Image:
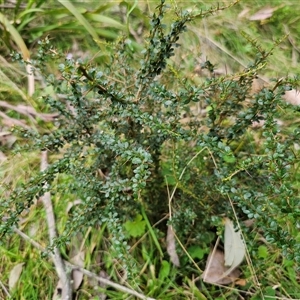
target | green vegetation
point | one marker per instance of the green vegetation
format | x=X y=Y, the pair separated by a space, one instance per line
x=147 y=135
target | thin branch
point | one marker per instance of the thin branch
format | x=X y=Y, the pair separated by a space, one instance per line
x=11 y=122
x=84 y=271
x=30 y=240
x=4 y=289
x=110 y=283
x=57 y=259
x=29 y=111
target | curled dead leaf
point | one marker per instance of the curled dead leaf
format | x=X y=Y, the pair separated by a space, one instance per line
x=14 y=275
x=234 y=247
x=77 y=276
x=263 y=14
x=292 y=97
x=215 y=269
x=71 y=204
x=171 y=247
x=241 y=282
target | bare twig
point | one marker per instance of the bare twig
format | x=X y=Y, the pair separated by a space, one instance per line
x=57 y=259
x=11 y=122
x=84 y=271
x=171 y=247
x=5 y=290
x=109 y=282
x=28 y=111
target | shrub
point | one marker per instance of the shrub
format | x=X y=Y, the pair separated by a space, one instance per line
x=124 y=145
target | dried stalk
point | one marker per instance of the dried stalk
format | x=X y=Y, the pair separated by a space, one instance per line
x=57 y=259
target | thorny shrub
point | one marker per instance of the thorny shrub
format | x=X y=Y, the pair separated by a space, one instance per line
x=127 y=129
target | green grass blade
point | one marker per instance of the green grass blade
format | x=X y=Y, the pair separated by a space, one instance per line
x=107 y=20
x=81 y=19
x=29 y=11
x=152 y=233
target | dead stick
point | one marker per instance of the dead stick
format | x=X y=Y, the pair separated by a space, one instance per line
x=57 y=259
x=84 y=271
x=5 y=290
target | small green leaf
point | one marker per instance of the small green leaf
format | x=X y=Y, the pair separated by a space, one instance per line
x=208 y=108
x=164 y=270
x=262 y=251
x=136 y=161
x=270 y=293
x=196 y=252
x=229 y=158
x=136 y=227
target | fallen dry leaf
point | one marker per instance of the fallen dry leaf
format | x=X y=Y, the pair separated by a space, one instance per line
x=77 y=276
x=263 y=14
x=14 y=275
x=7 y=139
x=215 y=269
x=71 y=204
x=234 y=246
x=171 y=247
x=241 y=282
x=249 y=222
x=292 y=97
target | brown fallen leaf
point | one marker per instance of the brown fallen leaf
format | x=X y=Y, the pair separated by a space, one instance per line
x=72 y=204
x=263 y=14
x=7 y=139
x=77 y=276
x=292 y=97
x=14 y=275
x=249 y=222
x=171 y=247
x=215 y=269
x=241 y=282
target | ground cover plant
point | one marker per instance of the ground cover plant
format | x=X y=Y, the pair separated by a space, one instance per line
x=145 y=161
